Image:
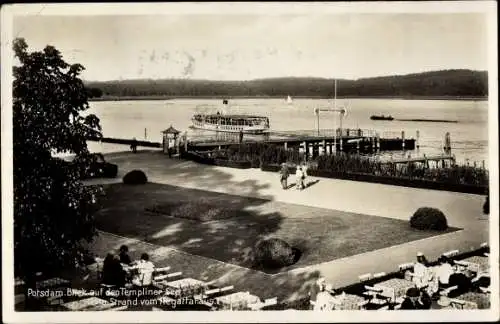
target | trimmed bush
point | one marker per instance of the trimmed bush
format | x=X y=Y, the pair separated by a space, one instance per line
x=274 y=253
x=427 y=218
x=486 y=206
x=135 y=177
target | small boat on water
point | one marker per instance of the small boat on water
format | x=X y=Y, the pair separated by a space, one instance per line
x=381 y=117
x=231 y=123
x=289 y=100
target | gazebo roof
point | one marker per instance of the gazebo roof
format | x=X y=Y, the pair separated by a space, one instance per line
x=171 y=130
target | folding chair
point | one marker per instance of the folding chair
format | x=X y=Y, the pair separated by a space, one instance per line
x=457 y=303
x=451 y=253
x=271 y=301
x=405 y=266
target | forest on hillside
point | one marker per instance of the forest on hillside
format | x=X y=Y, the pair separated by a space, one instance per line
x=446 y=83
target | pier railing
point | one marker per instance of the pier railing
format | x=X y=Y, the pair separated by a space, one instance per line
x=294 y=135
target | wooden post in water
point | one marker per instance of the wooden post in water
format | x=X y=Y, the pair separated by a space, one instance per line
x=483 y=165
x=185 y=142
x=145 y=133
x=403 y=139
x=418 y=139
x=447 y=143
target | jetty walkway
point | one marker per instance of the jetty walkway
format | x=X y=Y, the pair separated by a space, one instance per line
x=311 y=141
x=462 y=210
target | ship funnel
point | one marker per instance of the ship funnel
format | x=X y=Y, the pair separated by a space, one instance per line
x=225 y=103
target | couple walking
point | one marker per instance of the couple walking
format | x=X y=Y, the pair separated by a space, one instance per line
x=300 y=176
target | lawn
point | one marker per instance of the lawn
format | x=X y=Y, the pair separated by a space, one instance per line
x=227 y=227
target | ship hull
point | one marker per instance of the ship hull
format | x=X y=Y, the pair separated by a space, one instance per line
x=224 y=124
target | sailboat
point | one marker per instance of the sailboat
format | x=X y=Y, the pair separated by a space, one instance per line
x=289 y=100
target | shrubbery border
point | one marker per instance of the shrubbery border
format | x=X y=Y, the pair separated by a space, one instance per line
x=219 y=162
x=402 y=182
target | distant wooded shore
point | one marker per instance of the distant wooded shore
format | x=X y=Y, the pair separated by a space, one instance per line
x=437 y=85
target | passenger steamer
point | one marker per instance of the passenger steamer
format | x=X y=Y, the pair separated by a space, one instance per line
x=232 y=123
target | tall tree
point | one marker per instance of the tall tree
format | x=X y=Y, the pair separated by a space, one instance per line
x=52 y=208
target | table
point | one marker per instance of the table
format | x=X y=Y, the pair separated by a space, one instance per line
x=478 y=263
x=88 y=304
x=394 y=288
x=184 y=287
x=347 y=302
x=236 y=301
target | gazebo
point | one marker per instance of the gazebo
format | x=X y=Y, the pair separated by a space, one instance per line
x=170 y=139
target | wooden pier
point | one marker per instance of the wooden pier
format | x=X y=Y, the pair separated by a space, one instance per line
x=310 y=142
x=124 y=141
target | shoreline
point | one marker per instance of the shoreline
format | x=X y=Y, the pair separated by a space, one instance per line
x=151 y=98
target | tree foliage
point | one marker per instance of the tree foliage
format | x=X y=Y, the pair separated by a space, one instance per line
x=447 y=83
x=52 y=208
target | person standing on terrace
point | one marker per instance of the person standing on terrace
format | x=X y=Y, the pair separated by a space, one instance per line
x=299 y=178
x=284 y=174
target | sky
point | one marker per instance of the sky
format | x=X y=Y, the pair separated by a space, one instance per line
x=251 y=46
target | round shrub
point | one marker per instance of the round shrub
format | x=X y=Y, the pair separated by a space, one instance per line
x=135 y=177
x=427 y=218
x=274 y=253
x=486 y=206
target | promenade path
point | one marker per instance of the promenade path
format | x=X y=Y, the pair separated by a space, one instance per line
x=462 y=210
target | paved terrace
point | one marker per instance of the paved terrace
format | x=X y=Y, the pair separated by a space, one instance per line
x=462 y=210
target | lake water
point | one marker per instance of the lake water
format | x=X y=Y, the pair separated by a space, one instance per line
x=469 y=137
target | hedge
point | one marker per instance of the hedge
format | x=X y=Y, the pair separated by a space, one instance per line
x=135 y=177
x=427 y=218
x=274 y=253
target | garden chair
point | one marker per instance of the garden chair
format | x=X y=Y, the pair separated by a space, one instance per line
x=174 y=275
x=405 y=266
x=451 y=253
x=457 y=303
x=486 y=290
x=365 y=277
x=372 y=291
x=271 y=301
x=160 y=276
x=218 y=291
x=479 y=276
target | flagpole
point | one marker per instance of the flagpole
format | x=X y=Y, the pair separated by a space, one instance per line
x=334 y=107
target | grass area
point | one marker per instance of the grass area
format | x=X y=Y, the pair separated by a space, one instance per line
x=200 y=209
x=321 y=234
